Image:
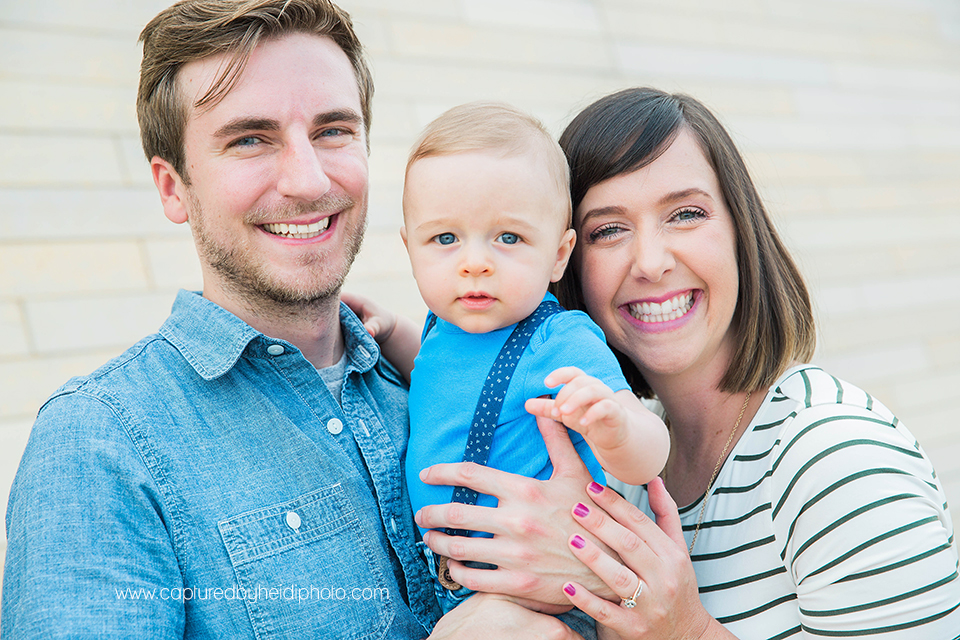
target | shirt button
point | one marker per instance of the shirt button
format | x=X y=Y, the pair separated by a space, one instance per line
x=293 y=520
x=334 y=426
x=275 y=350
x=393 y=525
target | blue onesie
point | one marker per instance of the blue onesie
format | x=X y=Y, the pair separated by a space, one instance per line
x=448 y=376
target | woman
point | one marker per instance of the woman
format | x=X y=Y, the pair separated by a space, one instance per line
x=807 y=509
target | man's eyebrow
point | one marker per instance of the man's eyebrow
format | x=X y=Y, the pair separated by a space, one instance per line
x=338 y=115
x=243 y=125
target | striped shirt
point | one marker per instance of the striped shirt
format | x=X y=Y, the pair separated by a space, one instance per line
x=826 y=520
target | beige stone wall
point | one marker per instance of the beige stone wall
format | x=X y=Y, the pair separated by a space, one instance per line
x=848 y=111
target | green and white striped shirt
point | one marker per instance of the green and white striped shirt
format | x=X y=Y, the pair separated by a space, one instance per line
x=826 y=520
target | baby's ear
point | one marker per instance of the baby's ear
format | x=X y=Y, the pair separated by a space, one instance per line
x=567 y=242
x=403 y=235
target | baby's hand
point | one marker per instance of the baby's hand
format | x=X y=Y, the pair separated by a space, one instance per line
x=377 y=320
x=586 y=405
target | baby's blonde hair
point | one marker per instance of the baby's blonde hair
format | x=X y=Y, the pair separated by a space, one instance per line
x=493 y=127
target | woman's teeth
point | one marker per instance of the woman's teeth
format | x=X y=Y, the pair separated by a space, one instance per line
x=298 y=230
x=663 y=311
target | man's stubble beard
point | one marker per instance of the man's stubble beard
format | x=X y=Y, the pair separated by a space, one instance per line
x=244 y=276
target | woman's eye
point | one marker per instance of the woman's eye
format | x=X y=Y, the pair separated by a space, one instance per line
x=685 y=215
x=446 y=238
x=509 y=238
x=606 y=231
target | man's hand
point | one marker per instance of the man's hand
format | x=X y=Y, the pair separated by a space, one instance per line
x=484 y=616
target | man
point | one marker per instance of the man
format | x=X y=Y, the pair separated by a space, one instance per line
x=237 y=475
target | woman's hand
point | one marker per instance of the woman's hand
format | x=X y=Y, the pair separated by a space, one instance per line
x=484 y=616
x=531 y=526
x=668 y=604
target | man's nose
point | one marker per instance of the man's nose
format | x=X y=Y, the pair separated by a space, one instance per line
x=301 y=172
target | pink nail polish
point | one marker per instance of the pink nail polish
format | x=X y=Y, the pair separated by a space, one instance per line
x=595 y=488
x=581 y=510
x=577 y=542
x=569 y=590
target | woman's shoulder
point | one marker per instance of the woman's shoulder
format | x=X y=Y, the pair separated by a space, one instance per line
x=808 y=387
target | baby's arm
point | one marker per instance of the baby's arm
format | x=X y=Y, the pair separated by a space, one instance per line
x=629 y=440
x=398 y=336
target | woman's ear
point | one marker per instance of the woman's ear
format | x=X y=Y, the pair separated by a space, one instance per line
x=171 y=189
x=567 y=242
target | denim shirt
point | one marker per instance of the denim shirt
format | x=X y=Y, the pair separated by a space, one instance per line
x=206 y=484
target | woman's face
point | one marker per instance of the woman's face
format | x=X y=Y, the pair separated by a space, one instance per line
x=656 y=253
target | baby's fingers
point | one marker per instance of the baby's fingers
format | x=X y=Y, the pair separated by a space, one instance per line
x=542 y=407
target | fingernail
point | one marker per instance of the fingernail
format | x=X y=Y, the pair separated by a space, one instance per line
x=569 y=590
x=581 y=510
x=595 y=488
x=577 y=542
x=416 y=517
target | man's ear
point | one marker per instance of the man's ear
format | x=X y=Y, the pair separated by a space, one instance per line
x=567 y=242
x=171 y=188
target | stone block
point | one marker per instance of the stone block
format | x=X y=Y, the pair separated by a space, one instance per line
x=382 y=255
x=66 y=325
x=36 y=214
x=13 y=329
x=474 y=46
x=564 y=16
x=69 y=57
x=875 y=368
x=31 y=105
x=173 y=264
x=134 y=167
x=45 y=269
x=712 y=64
x=13 y=440
x=28 y=383
x=97 y=16
x=57 y=160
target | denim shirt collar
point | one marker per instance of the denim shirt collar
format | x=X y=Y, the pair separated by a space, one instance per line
x=212 y=339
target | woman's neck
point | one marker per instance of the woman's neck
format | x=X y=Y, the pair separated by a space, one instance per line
x=701 y=419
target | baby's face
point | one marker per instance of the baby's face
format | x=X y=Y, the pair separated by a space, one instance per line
x=486 y=235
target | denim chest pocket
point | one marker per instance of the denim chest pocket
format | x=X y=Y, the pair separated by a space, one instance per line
x=304 y=568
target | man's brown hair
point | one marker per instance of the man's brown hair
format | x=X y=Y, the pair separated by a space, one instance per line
x=191 y=30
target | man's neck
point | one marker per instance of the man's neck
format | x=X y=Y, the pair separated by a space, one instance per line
x=314 y=328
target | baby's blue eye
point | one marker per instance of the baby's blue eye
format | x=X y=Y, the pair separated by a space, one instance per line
x=509 y=238
x=446 y=238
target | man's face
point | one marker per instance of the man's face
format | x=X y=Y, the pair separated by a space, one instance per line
x=277 y=173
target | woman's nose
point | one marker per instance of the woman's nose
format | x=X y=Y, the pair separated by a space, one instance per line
x=652 y=257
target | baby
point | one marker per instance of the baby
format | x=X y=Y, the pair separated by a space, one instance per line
x=486 y=209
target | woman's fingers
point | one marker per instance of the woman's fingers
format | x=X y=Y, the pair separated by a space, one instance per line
x=622 y=526
x=665 y=509
x=619 y=578
x=606 y=613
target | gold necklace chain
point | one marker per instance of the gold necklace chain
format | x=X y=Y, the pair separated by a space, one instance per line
x=716 y=470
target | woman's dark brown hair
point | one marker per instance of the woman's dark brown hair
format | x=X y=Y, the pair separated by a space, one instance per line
x=628 y=130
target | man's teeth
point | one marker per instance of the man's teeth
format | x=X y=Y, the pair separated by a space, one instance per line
x=663 y=311
x=298 y=230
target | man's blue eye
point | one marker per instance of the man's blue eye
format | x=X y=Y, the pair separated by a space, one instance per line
x=446 y=238
x=509 y=238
